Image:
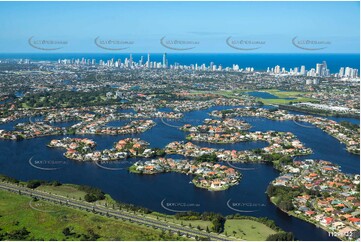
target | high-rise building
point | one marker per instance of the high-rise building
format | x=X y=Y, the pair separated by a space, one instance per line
x=277 y=70
x=130 y=63
x=354 y=73
x=319 y=69
x=312 y=72
x=341 y=73
x=165 y=62
x=148 y=61
x=348 y=71
x=324 y=71
x=303 y=70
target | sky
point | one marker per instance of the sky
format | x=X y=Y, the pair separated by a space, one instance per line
x=199 y=27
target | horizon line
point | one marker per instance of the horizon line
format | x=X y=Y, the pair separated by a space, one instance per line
x=245 y=53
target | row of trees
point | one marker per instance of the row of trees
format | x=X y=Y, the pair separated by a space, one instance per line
x=92 y=194
x=216 y=219
x=281 y=236
x=36 y=183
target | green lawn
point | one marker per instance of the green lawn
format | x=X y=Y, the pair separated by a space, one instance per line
x=49 y=222
x=72 y=191
x=64 y=190
x=299 y=96
x=247 y=229
x=195 y=223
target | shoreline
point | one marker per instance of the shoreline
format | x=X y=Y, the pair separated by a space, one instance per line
x=301 y=218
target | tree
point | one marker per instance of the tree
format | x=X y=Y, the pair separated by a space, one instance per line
x=66 y=231
x=20 y=234
x=281 y=236
x=90 y=197
x=286 y=205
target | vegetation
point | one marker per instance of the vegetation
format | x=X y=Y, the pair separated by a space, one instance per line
x=217 y=220
x=4 y=178
x=92 y=194
x=81 y=227
x=350 y=125
x=67 y=99
x=207 y=158
x=36 y=183
x=282 y=236
x=282 y=196
x=269 y=223
x=20 y=222
x=246 y=229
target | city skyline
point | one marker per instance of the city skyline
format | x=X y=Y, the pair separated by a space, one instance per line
x=320 y=70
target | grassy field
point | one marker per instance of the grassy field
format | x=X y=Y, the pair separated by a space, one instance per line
x=46 y=221
x=299 y=96
x=72 y=191
x=64 y=190
x=247 y=229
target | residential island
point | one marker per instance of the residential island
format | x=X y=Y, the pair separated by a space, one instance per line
x=207 y=175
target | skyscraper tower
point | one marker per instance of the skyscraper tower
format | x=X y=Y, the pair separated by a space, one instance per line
x=324 y=71
x=130 y=60
x=148 y=61
x=277 y=69
x=303 y=70
x=341 y=72
x=165 y=62
x=318 y=69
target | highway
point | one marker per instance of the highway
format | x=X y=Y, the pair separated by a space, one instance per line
x=168 y=226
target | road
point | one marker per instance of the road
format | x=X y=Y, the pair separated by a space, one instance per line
x=175 y=228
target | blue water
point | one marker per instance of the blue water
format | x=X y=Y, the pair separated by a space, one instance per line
x=149 y=191
x=258 y=61
x=19 y=94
